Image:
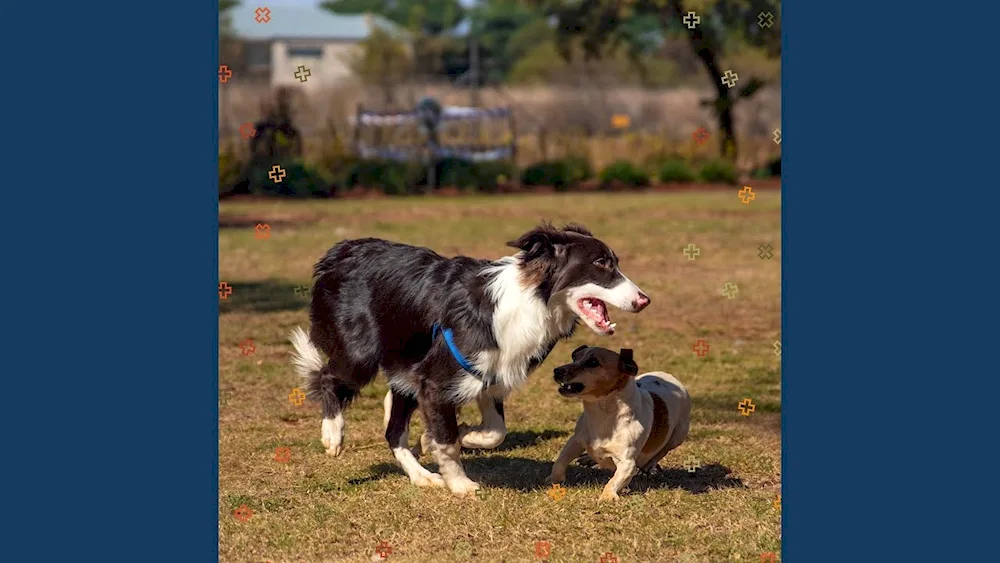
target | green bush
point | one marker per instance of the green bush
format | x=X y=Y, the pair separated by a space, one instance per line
x=675 y=170
x=490 y=174
x=579 y=168
x=770 y=170
x=547 y=173
x=393 y=178
x=457 y=172
x=299 y=180
x=718 y=171
x=230 y=171
x=560 y=173
x=624 y=172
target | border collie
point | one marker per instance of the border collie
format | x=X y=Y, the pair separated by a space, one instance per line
x=449 y=331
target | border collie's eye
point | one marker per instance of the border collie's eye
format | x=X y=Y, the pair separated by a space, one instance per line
x=603 y=263
x=592 y=363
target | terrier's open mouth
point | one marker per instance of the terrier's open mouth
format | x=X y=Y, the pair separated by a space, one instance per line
x=597 y=312
x=572 y=388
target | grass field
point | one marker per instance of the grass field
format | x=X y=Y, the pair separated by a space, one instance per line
x=319 y=508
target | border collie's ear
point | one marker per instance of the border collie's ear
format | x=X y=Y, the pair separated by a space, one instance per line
x=577 y=351
x=626 y=364
x=535 y=243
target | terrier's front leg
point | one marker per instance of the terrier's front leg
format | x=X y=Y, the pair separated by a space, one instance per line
x=625 y=469
x=572 y=449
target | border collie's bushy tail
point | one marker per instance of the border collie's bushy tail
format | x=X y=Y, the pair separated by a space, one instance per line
x=308 y=361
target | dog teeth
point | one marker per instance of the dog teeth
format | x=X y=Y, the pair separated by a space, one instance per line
x=613 y=325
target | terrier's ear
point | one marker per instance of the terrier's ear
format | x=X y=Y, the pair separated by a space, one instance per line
x=578 y=351
x=626 y=364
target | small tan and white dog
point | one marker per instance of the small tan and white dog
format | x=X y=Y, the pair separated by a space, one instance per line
x=628 y=423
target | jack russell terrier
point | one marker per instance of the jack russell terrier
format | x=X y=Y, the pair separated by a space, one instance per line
x=628 y=423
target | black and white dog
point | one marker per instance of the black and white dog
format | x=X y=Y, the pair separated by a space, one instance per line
x=448 y=332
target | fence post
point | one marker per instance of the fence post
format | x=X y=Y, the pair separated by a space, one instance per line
x=357 y=129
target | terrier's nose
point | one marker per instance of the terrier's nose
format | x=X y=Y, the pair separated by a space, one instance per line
x=641 y=303
x=558 y=373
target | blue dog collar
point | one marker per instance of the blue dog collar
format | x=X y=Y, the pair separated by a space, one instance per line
x=449 y=339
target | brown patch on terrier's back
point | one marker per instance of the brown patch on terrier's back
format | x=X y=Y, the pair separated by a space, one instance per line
x=658 y=434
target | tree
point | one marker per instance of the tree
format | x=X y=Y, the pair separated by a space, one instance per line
x=725 y=26
x=230 y=50
x=427 y=22
x=383 y=60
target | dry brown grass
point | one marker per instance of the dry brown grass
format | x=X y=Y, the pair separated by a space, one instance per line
x=319 y=508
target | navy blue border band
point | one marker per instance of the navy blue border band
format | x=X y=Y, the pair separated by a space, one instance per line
x=110 y=282
x=889 y=197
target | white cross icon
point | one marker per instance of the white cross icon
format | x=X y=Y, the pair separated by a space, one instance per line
x=730 y=79
x=691 y=20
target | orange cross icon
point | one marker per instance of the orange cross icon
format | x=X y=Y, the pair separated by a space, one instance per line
x=243 y=513
x=297 y=397
x=746 y=407
x=557 y=492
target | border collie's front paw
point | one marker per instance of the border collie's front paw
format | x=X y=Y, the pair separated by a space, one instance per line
x=463 y=486
x=429 y=480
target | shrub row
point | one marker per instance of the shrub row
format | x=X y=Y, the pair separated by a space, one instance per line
x=395 y=178
x=569 y=171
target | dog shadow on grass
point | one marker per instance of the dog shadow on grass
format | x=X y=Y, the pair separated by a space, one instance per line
x=264 y=297
x=523 y=439
x=528 y=475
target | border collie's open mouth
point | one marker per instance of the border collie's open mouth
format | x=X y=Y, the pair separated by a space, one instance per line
x=595 y=313
x=569 y=389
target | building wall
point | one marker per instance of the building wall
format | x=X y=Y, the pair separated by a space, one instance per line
x=328 y=62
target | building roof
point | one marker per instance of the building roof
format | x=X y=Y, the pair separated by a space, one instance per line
x=290 y=22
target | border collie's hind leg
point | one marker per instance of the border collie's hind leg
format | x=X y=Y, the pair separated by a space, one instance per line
x=399 y=408
x=336 y=385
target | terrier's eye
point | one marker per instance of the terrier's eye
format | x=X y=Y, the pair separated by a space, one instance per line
x=592 y=363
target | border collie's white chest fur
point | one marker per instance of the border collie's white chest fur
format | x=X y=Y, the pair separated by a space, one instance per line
x=524 y=327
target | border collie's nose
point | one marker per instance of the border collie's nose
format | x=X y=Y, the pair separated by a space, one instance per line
x=641 y=302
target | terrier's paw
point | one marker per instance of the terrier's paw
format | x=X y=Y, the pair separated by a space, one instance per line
x=553 y=478
x=585 y=461
x=429 y=480
x=609 y=496
x=463 y=486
